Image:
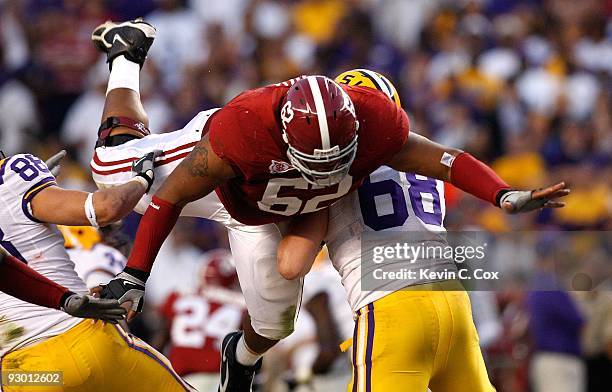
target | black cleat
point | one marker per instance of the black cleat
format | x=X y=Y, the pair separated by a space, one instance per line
x=131 y=39
x=234 y=376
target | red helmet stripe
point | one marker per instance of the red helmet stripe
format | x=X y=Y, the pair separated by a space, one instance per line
x=320 y=108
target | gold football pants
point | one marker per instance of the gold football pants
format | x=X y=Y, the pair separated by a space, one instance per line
x=416 y=338
x=94 y=356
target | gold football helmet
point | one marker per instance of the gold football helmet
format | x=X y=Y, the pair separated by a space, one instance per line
x=367 y=78
x=80 y=237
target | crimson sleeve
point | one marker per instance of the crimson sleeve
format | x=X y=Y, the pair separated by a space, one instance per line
x=21 y=281
x=154 y=228
x=474 y=177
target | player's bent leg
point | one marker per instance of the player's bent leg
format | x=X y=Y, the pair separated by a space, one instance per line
x=111 y=165
x=93 y=357
x=272 y=304
x=126 y=45
x=272 y=301
x=392 y=345
x=462 y=368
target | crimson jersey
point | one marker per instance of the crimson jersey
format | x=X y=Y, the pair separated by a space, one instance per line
x=198 y=322
x=246 y=133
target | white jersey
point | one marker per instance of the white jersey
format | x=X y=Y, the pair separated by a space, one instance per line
x=97 y=265
x=405 y=207
x=38 y=244
x=112 y=166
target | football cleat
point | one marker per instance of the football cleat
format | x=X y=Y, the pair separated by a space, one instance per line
x=235 y=377
x=131 y=39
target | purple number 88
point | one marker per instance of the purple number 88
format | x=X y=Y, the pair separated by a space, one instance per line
x=424 y=199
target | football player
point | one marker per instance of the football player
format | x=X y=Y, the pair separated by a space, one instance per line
x=410 y=334
x=196 y=321
x=271 y=154
x=94 y=261
x=92 y=356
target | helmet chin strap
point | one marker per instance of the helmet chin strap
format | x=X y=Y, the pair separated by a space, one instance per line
x=2 y=155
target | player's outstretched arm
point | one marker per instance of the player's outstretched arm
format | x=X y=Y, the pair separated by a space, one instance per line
x=195 y=177
x=20 y=281
x=301 y=243
x=422 y=156
x=101 y=208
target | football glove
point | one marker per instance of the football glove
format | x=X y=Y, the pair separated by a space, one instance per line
x=514 y=202
x=144 y=167
x=125 y=287
x=87 y=306
x=53 y=163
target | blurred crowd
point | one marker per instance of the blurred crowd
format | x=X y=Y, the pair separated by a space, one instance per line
x=524 y=85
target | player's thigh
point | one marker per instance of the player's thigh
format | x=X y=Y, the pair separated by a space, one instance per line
x=45 y=357
x=392 y=346
x=137 y=366
x=272 y=301
x=463 y=368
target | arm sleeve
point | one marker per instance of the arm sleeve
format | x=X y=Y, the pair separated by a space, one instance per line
x=155 y=226
x=474 y=177
x=21 y=281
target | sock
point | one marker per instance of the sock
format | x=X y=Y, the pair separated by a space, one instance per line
x=125 y=74
x=244 y=355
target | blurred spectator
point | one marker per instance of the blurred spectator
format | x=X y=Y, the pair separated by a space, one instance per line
x=555 y=325
x=597 y=339
x=179 y=41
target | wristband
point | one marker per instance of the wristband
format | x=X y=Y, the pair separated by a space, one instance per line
x=90 y=211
